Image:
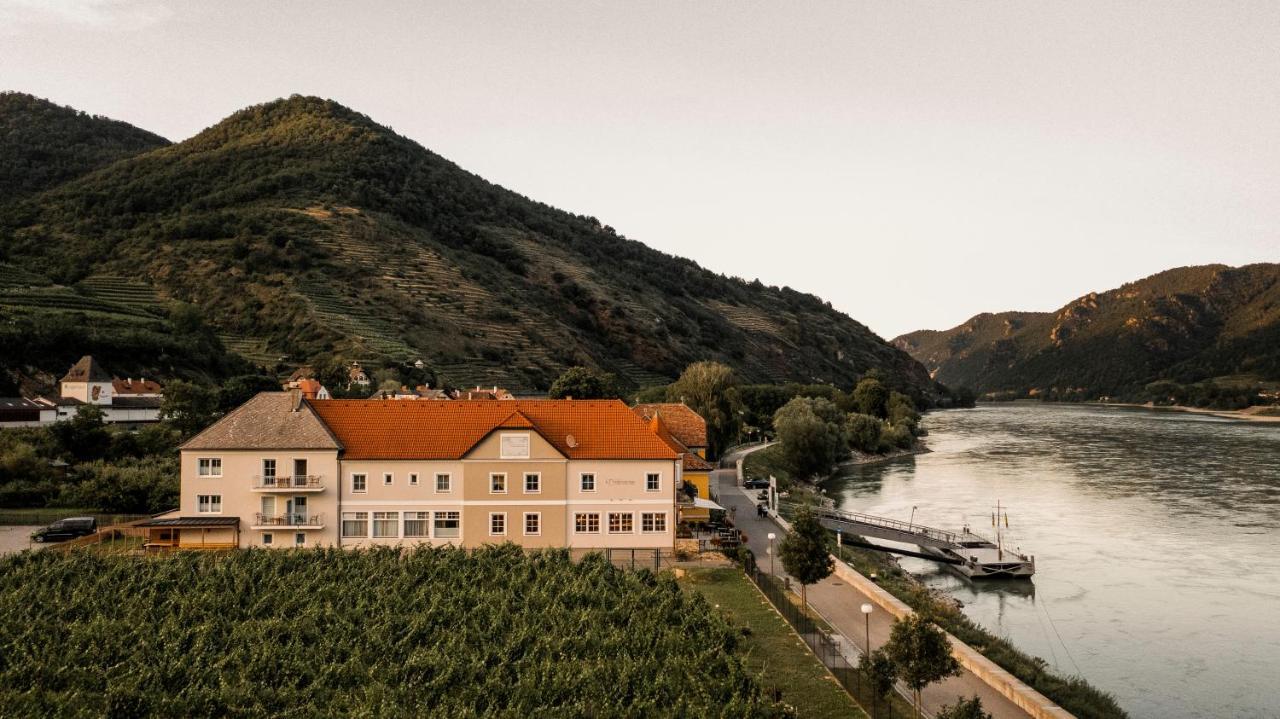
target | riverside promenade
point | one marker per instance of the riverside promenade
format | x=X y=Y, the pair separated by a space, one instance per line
x=840 y=604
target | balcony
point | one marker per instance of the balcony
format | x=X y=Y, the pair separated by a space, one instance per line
x=288 y=521
x=289 y=483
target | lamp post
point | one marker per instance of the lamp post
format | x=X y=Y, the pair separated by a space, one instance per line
x=866 y=612
x=772 y=537
x=912 y=521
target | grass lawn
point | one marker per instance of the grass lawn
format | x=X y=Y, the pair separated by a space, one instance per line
x=765 y=462
x=772 y=648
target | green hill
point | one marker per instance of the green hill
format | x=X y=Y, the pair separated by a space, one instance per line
x=1214 y=326
x=300 y=227
x=43 y=144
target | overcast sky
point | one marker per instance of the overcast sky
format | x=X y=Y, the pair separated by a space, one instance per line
x=914 y=163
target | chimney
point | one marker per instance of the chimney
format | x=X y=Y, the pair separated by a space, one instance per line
x=295 y=400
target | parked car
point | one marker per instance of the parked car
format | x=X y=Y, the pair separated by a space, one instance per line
x=756 y=483
x=65 y=529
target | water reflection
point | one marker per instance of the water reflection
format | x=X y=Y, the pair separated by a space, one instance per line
x=1153 y=533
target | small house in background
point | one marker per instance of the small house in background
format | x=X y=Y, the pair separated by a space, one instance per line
x=479 y=392
x=24 y=412
x=312 y=389
x=357 y=376
x=422 y=391
x=121 y=400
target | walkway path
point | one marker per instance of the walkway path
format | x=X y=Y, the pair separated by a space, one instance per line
x=840 y=604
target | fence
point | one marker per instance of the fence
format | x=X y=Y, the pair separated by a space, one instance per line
x=827 y=646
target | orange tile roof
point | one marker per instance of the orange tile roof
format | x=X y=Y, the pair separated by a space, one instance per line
x=689 y=459
x=135 y=386
x=688 y=426
x=600 y=429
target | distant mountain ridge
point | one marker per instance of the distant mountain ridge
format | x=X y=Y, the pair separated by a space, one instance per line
x=43 y=144
x=1185 y=325
x=300 y=227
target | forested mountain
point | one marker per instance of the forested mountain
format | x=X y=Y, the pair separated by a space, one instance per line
x=300 y=228
x=1213 y=326
x=43 y=144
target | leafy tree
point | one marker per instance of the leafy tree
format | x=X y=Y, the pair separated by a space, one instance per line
x=806 y=552
x=585 y=383
x=240 y=389
x=85 y=436
x=189 y=407
x=871 y=397
x=863 y=431
x=881 y=673
x=811 y=433
x=709 y=388
x=963 y=709
x=921 y=653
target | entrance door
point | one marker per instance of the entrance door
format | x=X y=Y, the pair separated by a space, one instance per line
x=299 y=472
x=297 y=510
x=268 y=509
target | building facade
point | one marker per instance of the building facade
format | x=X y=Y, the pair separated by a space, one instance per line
x=355 y=473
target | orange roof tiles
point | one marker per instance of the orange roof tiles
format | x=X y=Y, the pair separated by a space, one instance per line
x=689 y=459
x=601 y=429
x=688 y=426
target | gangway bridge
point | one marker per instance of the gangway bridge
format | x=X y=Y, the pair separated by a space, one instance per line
x=973 y=555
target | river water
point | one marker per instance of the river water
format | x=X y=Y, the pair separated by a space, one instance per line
x=1156 y=536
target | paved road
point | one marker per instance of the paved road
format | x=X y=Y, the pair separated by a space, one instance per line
x=841 y=605
x=16 y=538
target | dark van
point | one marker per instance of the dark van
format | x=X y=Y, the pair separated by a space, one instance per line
x=65 y=529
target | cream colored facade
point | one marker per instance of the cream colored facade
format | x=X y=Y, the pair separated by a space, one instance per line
x=512 y=486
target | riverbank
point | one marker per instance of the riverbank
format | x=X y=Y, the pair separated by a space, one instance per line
x=766 y=462
x=1256 y=413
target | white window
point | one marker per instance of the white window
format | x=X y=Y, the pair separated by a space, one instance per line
x=532 y=483
x=209 y=503
x=621 y=522
x=299 y=539
x=588 y=482
x=266 y=539
x=210 y=466
x=497 y=483
x=386 y=524
x=586 y=523
x=443 y=482
x=386 y=478
x=416 y=524
x=653 y=522
x=355 y=524
x=514 y=446
x=268 y=471
x=413 y=479
x=497 y=524
x=652 y=482
x=359 y=483
x=448 y=524
x=533 y=523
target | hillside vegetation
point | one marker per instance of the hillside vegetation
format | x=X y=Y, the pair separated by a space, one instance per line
x=300 y=227
x=43 y=144
x=1199 y=335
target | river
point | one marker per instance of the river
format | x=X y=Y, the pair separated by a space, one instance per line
x=1155 y=537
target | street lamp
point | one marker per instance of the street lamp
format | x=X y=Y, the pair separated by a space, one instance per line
x=866 y=612
x=772 y=537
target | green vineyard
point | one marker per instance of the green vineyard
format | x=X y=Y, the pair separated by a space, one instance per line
x=432 y=632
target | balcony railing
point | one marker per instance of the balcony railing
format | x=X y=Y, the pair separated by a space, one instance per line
x=289 y=481
x=288 y=520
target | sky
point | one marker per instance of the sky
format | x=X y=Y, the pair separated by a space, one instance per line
x=914 y=163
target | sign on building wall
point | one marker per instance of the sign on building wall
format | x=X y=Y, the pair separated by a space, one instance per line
x=514 y=446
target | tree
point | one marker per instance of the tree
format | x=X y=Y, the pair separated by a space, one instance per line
x=880 y=673
x=921 y=653
x=806 y=552
x=871 y=397
x=863 y=431
x=901 y=410
x=811 y=432
x=85 y=436
x=585 y=383
x=240 y=389
x=963 y=709
x=709 y=388
x=189 y=407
